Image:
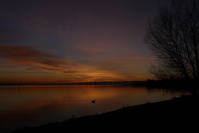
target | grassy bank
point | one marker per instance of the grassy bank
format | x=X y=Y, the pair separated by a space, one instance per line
x=176 y=115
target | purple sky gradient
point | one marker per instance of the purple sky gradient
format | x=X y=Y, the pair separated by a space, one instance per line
x=58 y=41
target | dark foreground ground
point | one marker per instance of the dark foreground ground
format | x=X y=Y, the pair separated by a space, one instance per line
x=176 y=115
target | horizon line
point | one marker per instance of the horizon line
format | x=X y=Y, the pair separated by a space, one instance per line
x=75 y=83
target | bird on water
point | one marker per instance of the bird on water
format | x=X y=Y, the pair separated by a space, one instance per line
x=93 y=101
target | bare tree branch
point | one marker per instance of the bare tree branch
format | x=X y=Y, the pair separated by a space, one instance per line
x=173 y=36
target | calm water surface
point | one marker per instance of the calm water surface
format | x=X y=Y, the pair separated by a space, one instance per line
x=36 y=105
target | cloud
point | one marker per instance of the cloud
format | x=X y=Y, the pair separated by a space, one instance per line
x=52 y=69
x=4 y=37
x=133 y=58
x=101 y=69
x=32 y=59
x=122 y=68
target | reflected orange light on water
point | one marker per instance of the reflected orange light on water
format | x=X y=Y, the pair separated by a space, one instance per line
x=35 y=105
x=34 y=97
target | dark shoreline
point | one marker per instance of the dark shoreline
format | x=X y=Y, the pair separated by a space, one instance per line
x=176 y=115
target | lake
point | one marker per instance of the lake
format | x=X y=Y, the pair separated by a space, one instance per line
x=22 y=106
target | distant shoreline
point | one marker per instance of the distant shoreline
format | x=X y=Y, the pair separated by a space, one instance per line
x=169 y=84
x=81 y=83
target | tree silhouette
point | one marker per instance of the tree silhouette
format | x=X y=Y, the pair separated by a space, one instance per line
x=173 y=36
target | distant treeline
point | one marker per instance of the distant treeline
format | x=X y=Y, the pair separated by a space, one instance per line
x=81 y=83
x=167 y=84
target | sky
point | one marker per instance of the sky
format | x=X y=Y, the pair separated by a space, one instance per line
x=66 y=41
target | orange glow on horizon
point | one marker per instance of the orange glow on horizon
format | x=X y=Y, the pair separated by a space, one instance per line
x=25 y=65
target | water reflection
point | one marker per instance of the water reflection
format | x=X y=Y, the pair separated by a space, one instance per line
x=35 y=105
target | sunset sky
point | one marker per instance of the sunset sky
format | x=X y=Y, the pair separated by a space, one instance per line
x=61 y=41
